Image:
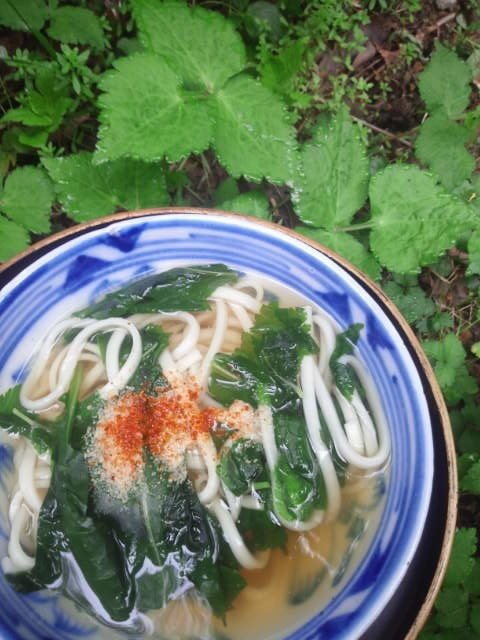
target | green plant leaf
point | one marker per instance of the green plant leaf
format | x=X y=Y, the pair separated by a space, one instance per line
x=146 y=115
x=253 y=134
x=470 y=479
x=448 y=359
x=414 y=220
x=76 y=25
x=347 y=246
x=461 y=559
x=45 y=106
x=184 y=288
x=445 y=83
x=201 y=46
x=23 y=15
x=87 y=191
x=474 y=252
x=27 y=198
x=334 y=183
x=278 y=71
x=411 y=300
x=452 y=608
x=252 y=203
x=13 y=238
x=441 y=146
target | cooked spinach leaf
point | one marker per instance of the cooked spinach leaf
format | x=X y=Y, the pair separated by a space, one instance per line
x=242 y=465
x=16 y=420
x=264 y=368
x=148 y=376
x=259 y=531
x=342 y=373
x=181 y=289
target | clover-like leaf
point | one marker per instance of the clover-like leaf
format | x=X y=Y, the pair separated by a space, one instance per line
x=201 y=46
x=445 y=83
x=146 y=115
x=13 y=238
x=334 y=180
x=253 y=133
x=345 y=245
x=87 y=191
x=414 y=219
x=441 y=146
x=27 y=198
x=24 y=15
x=253 y=203
x=76 y=25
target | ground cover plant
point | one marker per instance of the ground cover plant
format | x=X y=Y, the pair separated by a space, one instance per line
x=355 y=123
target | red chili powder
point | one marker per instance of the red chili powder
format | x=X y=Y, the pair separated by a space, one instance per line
x=163 y=423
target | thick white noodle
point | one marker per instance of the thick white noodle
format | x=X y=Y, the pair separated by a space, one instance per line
x=249 y=282
x=229 y=294
x=19 y=560
x=375 y=404
x=327 y=344
x=234 y=539
x=115 y=384
x=26 y=478
x=210 y=491
x=307 y=382
x=242 y=315
x=221 y=318
x=265 y=419
x=44 y=354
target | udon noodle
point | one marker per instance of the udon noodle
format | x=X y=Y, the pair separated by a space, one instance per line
x=347 y=433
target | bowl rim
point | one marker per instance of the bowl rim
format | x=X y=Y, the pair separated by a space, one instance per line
x=452 y=497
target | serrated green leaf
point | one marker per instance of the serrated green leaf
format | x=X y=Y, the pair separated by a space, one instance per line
x=23 y=15
x=278 y=71
x=76 y=25
x=252 y=203
x=441 y=146
x=472 y=583
x=452 y=608
x=412 y=301
x=87 y=191
x=334 y=184
x=201 y=46
x=146 y=115
x=445 y=83
x=414 y=220
x=27 y=198
x=253 y=134
x=474 y=252
x=470 y=478
x=13 y=239
x=347 y=246
x=45 y=106
x=461 y=561
x=226 y=190
x=448 y=356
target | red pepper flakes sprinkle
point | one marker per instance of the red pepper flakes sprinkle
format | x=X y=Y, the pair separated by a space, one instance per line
x=166 y=424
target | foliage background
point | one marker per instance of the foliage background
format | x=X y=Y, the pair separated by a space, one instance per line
x=355 y=122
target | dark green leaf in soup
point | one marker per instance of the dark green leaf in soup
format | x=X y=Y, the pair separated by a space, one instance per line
x=242 y=465
x=15 y=420
x=342 y=373
x=68 y=535
x=259 y=531
x=180 y=289
x=264 y=369
x=148 y=376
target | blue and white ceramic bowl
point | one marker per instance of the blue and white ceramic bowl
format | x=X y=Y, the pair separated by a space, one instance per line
x=400 y=570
